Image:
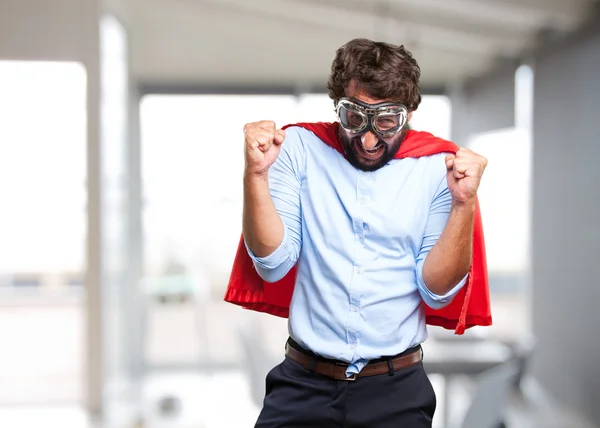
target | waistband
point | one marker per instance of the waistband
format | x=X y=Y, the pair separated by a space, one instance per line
x=337 y=369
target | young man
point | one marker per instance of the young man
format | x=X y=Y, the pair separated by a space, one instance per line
x=374 y=232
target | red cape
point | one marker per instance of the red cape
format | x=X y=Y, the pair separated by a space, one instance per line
x=469 y=308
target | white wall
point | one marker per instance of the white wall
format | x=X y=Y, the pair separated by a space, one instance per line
x=566 y=223
x=487 y=104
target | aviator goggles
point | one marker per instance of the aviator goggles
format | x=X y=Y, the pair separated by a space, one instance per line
x=384 y=119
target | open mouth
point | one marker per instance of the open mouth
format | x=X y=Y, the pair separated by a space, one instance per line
x=373 y=153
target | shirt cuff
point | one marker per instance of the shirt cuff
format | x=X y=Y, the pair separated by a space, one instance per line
x=276 y=258
x=433 y=300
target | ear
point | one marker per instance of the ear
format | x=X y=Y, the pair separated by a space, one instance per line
x=409 y=117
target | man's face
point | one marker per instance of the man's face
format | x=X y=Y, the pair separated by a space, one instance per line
x=368 y=151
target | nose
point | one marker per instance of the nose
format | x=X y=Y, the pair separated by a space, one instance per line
x=369 y=140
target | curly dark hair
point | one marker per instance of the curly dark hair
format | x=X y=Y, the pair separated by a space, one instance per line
x=383 y=70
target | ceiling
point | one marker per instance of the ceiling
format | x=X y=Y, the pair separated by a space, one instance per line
x=290 y=43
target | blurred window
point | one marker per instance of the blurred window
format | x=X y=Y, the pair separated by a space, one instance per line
x=42 y=232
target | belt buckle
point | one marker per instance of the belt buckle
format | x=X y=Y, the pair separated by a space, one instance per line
x=351 y=378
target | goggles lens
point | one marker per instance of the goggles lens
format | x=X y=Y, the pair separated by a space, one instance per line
x=385 y=119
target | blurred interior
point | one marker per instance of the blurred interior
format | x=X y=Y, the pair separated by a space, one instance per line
x=120 y=186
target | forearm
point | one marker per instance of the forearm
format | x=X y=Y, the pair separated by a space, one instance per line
x=450 y=258
x=262 y=226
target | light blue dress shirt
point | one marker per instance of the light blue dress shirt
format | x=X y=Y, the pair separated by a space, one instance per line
x=360 y=240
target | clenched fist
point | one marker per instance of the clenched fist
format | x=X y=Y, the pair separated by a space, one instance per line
x=465 y=170
x=262 y=145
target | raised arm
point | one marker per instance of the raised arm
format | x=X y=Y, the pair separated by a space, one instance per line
x=272 y=223
x=450 y=258
x=262 y=227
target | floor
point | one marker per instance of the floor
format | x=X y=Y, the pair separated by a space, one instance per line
x=42 y=370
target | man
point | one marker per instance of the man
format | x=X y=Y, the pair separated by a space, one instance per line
x=373 y=234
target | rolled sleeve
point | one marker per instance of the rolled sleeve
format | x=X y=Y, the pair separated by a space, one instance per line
x=436 y=301
x=276 y=265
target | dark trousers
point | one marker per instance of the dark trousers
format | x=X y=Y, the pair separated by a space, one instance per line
x=297 y=397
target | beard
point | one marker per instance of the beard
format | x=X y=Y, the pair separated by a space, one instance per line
x=359 y=158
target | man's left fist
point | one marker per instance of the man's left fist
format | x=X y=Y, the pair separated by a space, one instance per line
x=465 y=169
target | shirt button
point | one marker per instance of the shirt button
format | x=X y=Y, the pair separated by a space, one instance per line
x=355 y=308
x=362 y=200
x=359 y=271
x=352 y=347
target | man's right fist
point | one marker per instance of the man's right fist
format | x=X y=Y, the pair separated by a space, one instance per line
x=262 y=145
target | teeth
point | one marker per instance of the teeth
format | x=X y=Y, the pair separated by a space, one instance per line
x=371 y=153
x=362 y=143
x=373 y=150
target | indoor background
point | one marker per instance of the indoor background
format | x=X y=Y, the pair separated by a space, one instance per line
x=121 y=159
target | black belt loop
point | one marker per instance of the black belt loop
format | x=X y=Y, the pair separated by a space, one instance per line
x=313 y=364
x=390 y=367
